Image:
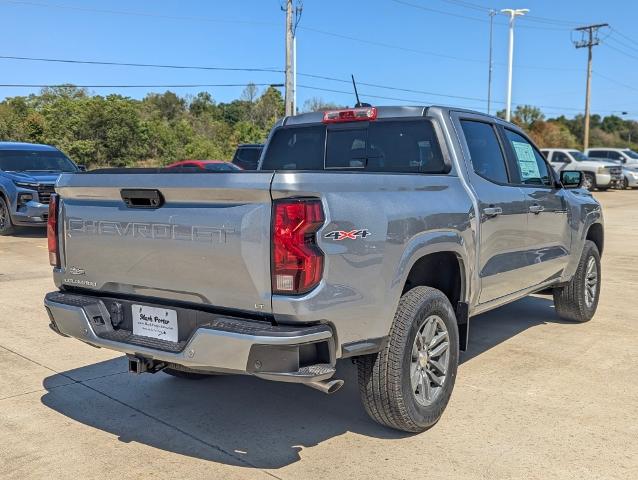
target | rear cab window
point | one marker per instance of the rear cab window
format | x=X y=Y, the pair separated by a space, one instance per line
x=393 y=146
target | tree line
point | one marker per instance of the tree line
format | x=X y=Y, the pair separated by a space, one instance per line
x=563 y=132
x=116 y=130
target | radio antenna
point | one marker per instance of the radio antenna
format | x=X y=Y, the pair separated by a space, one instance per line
x=359 y=104
x=356 y=94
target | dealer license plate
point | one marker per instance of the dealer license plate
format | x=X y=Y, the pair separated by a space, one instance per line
x=154 y=322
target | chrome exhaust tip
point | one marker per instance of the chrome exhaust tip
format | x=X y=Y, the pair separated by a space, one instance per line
x=326 y=386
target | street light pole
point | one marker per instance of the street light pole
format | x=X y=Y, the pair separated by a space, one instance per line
x=513 y=13
x=491 y=65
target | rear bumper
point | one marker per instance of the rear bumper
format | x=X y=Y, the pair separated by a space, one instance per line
x=224 y=344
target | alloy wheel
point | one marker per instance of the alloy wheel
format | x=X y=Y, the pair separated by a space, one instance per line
x=591 y=282
x=430 y=360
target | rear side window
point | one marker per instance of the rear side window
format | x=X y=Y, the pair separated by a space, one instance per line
x=247 y=157
x=485 y=150
x=613 y=155
x=297 y=148
x=387 y=146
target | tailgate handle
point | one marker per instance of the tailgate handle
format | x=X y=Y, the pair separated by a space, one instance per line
x=138 y=198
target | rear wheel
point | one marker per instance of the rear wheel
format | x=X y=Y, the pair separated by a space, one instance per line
x=408 y=384
x=577 y=301
x=6 y=227
x=589 y=181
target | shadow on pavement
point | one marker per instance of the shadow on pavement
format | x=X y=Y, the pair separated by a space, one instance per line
x=30 y=232
x=246 y=421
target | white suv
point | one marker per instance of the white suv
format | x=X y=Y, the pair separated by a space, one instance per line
x=624 y=156
x=600 y=174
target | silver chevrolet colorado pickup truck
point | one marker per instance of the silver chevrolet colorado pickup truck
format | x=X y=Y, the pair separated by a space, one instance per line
x=369 y=233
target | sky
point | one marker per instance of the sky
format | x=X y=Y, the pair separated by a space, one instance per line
x=427 y=51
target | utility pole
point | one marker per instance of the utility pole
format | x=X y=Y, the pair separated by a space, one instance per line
x=294 y=75
x=588 y=39
x=288 y=93
x=491 y=65
x=513 y=13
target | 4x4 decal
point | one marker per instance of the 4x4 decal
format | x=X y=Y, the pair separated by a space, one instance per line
x=351 y=235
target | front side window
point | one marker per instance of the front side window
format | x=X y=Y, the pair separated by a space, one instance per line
x=485 y=151
x=531 y=165
x=613 y=155
x=578 y=156
x=560 y=157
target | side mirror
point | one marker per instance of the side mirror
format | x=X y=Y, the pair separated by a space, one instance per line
x=571 y=178
x=82 y=168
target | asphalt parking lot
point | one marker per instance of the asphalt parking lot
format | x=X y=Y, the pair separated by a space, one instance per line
x=535 y=397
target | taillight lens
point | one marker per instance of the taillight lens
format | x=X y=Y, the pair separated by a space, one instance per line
x=297 y=261
x=52 y=232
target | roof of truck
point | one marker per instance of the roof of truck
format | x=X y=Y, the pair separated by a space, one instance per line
x=26 y=146
x=385 y=112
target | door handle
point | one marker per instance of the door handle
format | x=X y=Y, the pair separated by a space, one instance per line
x=536 y=208
x=492 y=211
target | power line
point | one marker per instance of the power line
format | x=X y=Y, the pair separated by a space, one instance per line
x=467 y=17
x=532 y=18
x=623 y=35
x=137 y=14
x=183 y=85
x=613 y=80
x=305 y=28
x=270 y=70
x=144 y=65
x=620 y=51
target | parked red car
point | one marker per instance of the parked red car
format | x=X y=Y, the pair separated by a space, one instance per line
x=206 y=165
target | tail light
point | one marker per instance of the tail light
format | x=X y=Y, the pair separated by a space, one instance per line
x=350 y=115
x=297 y=261
x=52 y=232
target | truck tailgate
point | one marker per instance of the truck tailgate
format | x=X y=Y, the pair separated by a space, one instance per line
x=209 y=242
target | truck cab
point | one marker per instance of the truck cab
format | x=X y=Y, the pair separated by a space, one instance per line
x=626 y=157
x=598 y=174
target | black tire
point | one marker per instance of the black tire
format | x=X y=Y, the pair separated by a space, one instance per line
x=6 y=227
x=385 y=384
x=625 y=184
x=590 y=181
x=571 y=300
x=173 y=372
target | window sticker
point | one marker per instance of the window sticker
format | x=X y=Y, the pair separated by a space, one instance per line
x=526 y=160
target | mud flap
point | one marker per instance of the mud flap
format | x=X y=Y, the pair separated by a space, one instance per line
x=463 y=322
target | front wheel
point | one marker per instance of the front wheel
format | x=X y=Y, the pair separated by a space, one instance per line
x=577 y=301
x=6 y=227
x=408 y=384
x=625 y=184
x=589 y=181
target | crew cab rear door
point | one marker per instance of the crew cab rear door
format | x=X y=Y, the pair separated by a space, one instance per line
x=502 y=209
